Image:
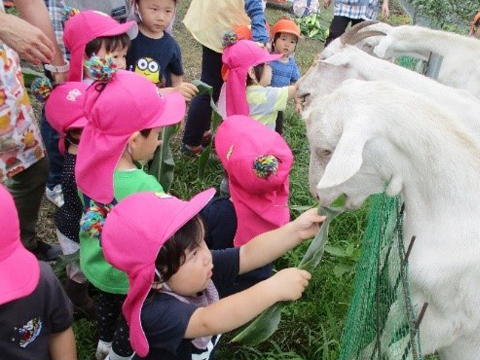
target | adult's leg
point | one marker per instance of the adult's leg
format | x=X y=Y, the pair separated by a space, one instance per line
x=27 y=188
x=200 y=112
x=338 y=26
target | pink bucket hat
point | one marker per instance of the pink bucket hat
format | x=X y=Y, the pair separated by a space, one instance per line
x=19 y=268
x=258 y=163
x=115 y=110
x=238 y=58
x=133 y=234
x=85 y=27
x=64 y=109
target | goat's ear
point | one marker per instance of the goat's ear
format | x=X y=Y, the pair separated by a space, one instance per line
x=346 y=160
x=337 y=60
x=382 y=47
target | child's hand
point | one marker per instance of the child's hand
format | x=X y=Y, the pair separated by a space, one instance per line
x=298 y=106
x=289 y=284
x=187 y=90
x=307 y=224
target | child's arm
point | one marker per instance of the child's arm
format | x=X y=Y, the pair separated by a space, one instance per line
x=234 y=311
x=62 y=345
x=269 y=246
x=186 y=89
x=292 y=91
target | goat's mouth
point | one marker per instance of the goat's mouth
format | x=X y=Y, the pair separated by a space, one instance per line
x=304 y=99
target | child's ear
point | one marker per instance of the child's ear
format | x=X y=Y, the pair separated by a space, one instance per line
x=133 y=140
x=251 y=74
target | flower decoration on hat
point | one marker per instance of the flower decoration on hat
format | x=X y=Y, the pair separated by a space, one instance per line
x=93 y=220
x=265 y=166
x=41 y=88
x=101 y=69
x=68 y=12
x=229 y=38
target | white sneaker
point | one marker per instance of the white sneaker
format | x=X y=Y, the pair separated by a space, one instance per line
x=55 y=195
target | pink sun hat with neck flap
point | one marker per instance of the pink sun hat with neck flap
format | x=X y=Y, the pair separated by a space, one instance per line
x=64 y=109
x=132 y=236
x=86 y=26
x=238 y=58
x=115 y=110
x=19 y=268
x=258 y=162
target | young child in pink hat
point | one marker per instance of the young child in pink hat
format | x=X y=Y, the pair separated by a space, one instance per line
x=91 y=33
x=246 y=90
x=257 y=162
x=175 y=305
x=35 y=314
x=64 y=111
x=123 y=130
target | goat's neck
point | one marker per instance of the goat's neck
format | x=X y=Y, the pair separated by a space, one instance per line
x=419 y=39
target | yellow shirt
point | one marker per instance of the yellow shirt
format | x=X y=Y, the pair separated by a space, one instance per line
x=208 y=20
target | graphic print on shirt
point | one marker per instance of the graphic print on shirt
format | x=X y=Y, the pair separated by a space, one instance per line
x=28 y=332
x=149 y=68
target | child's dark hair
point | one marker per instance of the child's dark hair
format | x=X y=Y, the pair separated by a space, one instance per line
x=172 y=253
x=258 y=70
x=277 y=35
x=110 y=43
x=145 y=132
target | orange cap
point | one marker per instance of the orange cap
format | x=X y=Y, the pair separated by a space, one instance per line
x=286 y=25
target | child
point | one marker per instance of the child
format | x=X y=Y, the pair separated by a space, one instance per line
x=154 y=52
x=123 y=130
x=35 y=313
x=64 y=110
x=173 y=305
x=247 y=65
x=258 y=163
x=94 y=33
x=474 y=30
x=285 y=70
x=156 y=55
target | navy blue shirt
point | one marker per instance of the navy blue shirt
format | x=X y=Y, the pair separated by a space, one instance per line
x=165 y=318
x=156 y=59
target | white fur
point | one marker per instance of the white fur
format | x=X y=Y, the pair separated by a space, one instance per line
x=351 y=63
x=366 y=137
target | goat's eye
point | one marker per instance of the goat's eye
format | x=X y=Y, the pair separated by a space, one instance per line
x=323 y=152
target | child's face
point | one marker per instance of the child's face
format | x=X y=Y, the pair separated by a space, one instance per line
x=285 y=44
x=195 y=273
x=119 y=56
x=146 y=146
x=266 y=77
x=156 y=15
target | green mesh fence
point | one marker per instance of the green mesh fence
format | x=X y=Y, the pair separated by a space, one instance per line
x=381 y=323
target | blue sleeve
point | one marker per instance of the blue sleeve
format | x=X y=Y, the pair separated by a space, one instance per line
x=296 y=73
x=254 y=10
x=226 y=265
x=175 y=65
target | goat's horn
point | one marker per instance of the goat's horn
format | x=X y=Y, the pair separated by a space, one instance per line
x=344 y=38
x=363 y=35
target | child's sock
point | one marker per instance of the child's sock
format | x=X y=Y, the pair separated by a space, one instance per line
x=103 y=348
x=113 y=356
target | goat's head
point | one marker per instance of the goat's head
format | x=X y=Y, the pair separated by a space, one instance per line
x=345 y=154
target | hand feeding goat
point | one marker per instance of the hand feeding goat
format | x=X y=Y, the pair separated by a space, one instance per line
x=366 y=137
x=351 y=63
x=461 y=54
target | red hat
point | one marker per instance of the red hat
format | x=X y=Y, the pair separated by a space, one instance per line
x=134 y=232
x=19 y=268
x=258 y=162
x=64 y=109
x=238 y=58
x=85 y=27
x=115 y=110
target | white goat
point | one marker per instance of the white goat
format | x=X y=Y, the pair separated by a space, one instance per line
x=351 y=63
x=460 y=66
x=370 y=136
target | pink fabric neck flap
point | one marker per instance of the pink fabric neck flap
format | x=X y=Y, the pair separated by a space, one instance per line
x=259 y=193
x=238 y=58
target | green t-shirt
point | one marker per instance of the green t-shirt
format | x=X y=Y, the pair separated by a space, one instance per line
x=100 y=273
x=264 y=103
